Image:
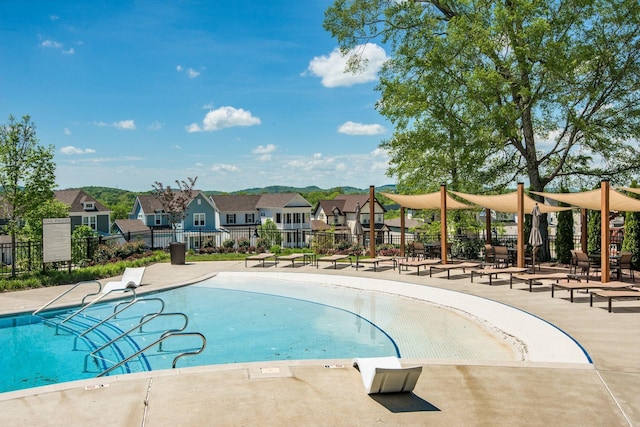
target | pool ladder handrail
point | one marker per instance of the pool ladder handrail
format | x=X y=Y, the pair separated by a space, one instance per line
x=69 y=290
x=159 y=340
x=116 y=312
x=124 y=290
x=143 y=320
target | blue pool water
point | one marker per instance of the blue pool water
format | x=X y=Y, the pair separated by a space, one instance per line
x=239 y=325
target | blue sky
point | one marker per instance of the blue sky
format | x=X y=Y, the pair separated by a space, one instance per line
x=238 y=93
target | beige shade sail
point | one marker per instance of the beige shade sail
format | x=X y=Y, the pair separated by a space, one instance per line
x=593 y=200
x=630 y=189
x=507 y=202
x=425 y=201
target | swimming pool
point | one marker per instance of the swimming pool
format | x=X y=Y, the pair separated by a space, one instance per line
x=254 y=317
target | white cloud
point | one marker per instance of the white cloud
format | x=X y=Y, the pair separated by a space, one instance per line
x=71 y=150
x=101 y=124
x=54 y=17
x=221 y=167
x=190 y=72
x=124 y=125
x=331 y=69
x=52 y=44
x=156 y=125
x=224 y=117
x=379 y=152
x=66 y=131
x=264 y=149
x=353 y=128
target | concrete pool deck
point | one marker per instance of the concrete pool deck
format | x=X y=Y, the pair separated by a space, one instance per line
x=330 y=392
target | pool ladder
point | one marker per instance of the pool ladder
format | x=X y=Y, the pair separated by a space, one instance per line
x=144 y=319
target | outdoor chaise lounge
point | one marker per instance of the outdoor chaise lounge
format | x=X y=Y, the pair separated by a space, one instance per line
x=386 y=375
x=389 y=260
x=261 y=258
x=448 y=267
x=292 y=258
x=131 y=278
x=333 y=259
x=589 y=285
x=534 y=279
x=493 y=273
x=631 y=293
x=417 y=263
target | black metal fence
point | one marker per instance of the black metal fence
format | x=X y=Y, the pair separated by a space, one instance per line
x=28 y=254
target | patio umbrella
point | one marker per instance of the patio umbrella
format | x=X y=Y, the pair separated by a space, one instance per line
x=357 y=226
x=535 y=238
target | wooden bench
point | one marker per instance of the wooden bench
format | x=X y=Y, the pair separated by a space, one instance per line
x=587 y=286
x=416 y=263
x=493 y=273
x=448 y=267
x=261 y=258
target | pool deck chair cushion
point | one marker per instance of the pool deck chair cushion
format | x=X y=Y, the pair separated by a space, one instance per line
x=386 y=375
x=131 y=278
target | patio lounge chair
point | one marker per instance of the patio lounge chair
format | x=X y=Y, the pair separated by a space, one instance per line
x=131 y=278
x=631 y=293
x=292 y=258
x=416 y=263
x=448 y=267
x=386 y=375
x=589 y=285
x=333 y=259
x=493 y=273
x=376 y=262
x=534 y=279
x=261 y=257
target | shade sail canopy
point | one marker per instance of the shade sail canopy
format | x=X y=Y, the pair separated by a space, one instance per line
x=593 y=200
x=506 y=202
x=631 y=190
x=425 y=201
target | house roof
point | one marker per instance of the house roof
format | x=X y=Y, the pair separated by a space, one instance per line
x=149 y=203
x=75 y=198
x=317 y=225
x=130 y=225
x=351 y=200
x=329 y=205
x=281 y=200
x=244 y=203
x=236 y=202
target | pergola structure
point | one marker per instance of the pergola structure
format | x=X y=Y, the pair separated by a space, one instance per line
x=605 y=199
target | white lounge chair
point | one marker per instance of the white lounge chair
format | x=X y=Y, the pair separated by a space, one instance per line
x=386 y=375
x=131 y=278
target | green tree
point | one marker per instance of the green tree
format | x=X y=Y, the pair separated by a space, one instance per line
x=594 y=237
x=631 y=242
x=564 y=236
x=33 y=219
x=27 y=174
x=494 y=92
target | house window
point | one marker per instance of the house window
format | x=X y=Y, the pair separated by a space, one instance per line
x=89 y=206
x=231 y=218
x=157 y=219
x=91 y=221
x=278 y=218
x=198 y=219
x=249 y=218
x=297 y=218
x=287 y=218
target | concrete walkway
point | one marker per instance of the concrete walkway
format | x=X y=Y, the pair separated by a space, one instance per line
x=330 y=392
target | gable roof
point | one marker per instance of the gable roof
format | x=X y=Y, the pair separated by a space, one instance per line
x=236 y=202
x=281 y=200
x=149 y=203
x=75 y=198
x=244 y=203
x=346 y=203
x=130 y=225
x=329 y=205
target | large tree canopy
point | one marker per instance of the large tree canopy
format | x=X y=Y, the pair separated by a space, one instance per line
x=487 y=93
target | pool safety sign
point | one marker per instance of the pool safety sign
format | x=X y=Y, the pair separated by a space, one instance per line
x=56 y=239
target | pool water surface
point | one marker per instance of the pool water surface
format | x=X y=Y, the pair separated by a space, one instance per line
x=244 y=320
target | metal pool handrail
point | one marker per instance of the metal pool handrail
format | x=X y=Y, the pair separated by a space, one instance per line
x=67 y=291
x=159 y=340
